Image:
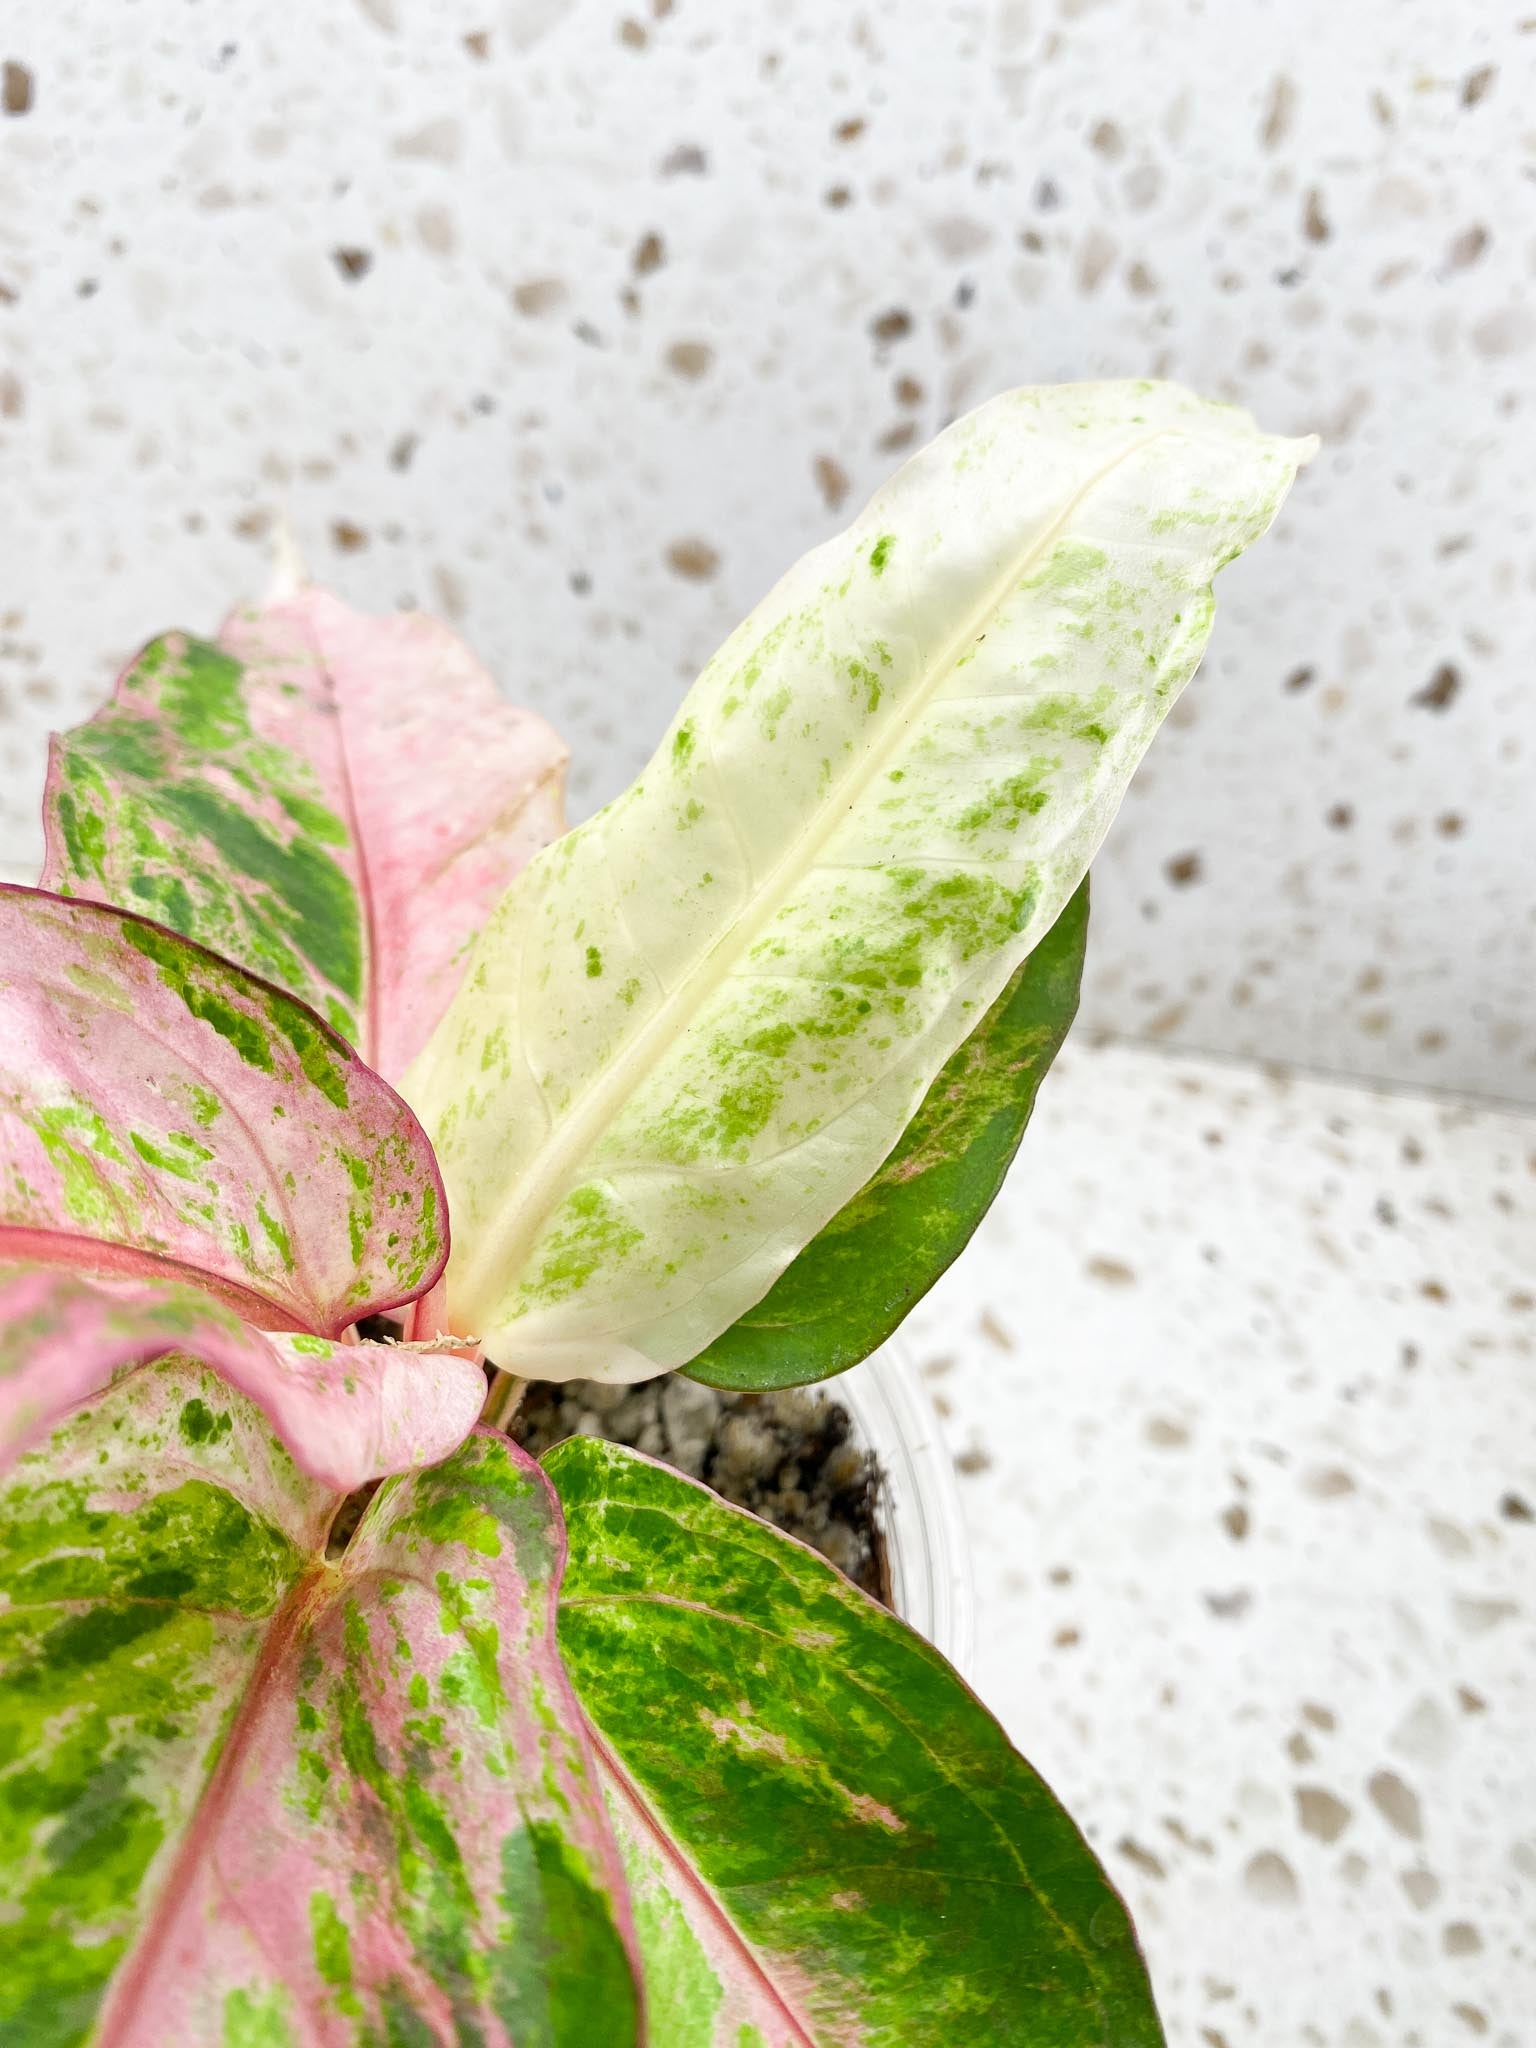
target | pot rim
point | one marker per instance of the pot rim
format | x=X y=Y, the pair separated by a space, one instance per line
x=918 y=1503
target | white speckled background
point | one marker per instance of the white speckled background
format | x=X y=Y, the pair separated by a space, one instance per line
x=1241 y=1378
x=577 y=325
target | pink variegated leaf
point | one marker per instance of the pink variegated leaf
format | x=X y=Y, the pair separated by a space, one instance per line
x=262 y=1797
x=332 y=800
x=346 y=1413
x=163 y=1112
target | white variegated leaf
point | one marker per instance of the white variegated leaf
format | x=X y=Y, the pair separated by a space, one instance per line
x=695 y=1027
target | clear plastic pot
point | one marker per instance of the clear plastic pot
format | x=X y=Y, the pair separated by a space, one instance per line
x=918 y=1507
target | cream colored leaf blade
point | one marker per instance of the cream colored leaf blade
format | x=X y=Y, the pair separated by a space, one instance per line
x=694 y=1027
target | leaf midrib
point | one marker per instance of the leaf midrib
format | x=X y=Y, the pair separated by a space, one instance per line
x=890 y=1703
x=508 y=1237
x=118 y=2018
x=687 y=1874
x=369 y=1049
x=427 y=878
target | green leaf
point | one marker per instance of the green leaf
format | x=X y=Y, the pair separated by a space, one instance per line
x=828 y=1838
x=331 y=800
x=253 y=1797
x=852 y=1285
x=695 y=1026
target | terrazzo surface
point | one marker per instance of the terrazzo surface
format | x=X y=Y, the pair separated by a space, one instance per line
x=578 y=321
x=1239 y=1377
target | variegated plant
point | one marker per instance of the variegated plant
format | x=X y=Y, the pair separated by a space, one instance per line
x=327 y=1717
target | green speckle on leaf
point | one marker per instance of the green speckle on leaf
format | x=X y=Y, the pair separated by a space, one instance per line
x=1003 y=805
x=205 y=1104
x=200 y=691
x=861 y=673
x=276 y=1233
x=125 y=745
x=588 y=1229
x=314 y=901
x=257 y=2019
x=85 y=836
x=322 y=1054
x=165 y=898
x=196 y=981
x=199 y=1425
x=315 y=819
x=177 y=1153
x=333 y=1951
x=79 y=1142
x=1070 y=562
x=358 y=1171
x=880 y=553
x=564 y=1976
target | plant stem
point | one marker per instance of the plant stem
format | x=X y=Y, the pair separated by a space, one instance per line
x=502 y=1399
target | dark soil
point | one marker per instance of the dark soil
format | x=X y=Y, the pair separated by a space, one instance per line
x=789 y=1457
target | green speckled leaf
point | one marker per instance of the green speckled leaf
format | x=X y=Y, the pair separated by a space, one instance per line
x=332 y=800
x=346 y=1413
x=695 y=1026
x=162 y=1112
x=253 y=1799
x=829 y=1839
x=854 y=1283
